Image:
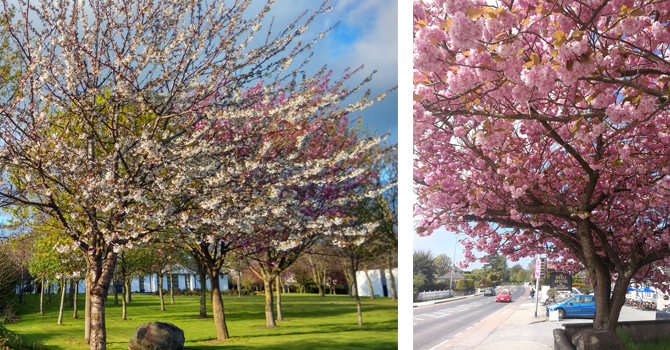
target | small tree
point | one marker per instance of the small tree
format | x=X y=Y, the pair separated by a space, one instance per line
x=418 y=280
x=422 y=262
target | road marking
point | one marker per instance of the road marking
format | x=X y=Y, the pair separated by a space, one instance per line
x=458 y=334
x=495 y=313
x=476 y=323
x=468 y=328
x=439 y=344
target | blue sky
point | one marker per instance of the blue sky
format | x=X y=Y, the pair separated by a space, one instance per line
x=442 y=242
x=367 y=35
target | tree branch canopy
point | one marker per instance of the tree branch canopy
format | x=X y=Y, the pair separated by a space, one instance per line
x=531 y=138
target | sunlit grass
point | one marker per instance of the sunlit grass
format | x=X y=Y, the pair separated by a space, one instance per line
x=311 y=322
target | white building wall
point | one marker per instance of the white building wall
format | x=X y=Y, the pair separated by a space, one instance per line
x=364 y=288
x=377 y=282
x=135 y=284
x=151 y=283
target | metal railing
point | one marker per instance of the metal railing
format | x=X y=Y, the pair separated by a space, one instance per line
x=439 y=294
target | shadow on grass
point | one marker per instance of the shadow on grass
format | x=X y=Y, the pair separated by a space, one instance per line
x=312 y=322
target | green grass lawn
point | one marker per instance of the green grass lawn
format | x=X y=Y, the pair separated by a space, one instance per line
x=311 y=322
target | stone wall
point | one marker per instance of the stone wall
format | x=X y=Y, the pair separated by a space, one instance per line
x=461 y=292
x=639 y=330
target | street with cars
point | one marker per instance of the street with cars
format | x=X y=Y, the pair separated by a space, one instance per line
x=435 y=324
x=480 y=323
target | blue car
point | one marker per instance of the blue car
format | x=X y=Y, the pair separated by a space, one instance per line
x=578 y=306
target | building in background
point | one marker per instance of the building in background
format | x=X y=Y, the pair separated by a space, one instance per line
x=379 y=279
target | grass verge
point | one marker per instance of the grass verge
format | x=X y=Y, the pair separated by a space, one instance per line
x=662 y=343
x=311 y=322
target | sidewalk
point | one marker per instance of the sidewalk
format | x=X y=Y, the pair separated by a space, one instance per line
x=522 y=330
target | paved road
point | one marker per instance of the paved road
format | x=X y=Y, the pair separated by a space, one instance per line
x=435 y=324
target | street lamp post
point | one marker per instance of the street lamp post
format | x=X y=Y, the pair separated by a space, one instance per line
x=453 y=268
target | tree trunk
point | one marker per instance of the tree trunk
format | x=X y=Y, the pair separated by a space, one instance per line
x=203 y=291
x=87 y=310
x=607 y=313
x=125 y=291
x=269 y=312
x=21 y=288
x=367 y=276
x=63 y=287
x=101 y=276
x=171 y=290
x=217 y=306
x=42 y=299
x=126 y=288
x=71 y=291
x=116 y=291
x=123 y=305
x=98 y=326
x=239 y=290
x=350 y=283
x=358 y=299
x=160 y=291
x=279 y=316
x=394 y=295
x=76 y=298
x=318 y=276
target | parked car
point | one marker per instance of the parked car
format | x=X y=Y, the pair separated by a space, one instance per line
x=663 y=314
x=579 y=306
x=504 y=295
x=489 y=292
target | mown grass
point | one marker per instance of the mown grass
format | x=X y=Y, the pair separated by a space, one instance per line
x=662 y=343
x=311 y=322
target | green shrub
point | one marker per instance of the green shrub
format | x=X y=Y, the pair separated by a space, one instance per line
x=433 y=286
x=471 y=284
x=461 y=285
x=495 y=278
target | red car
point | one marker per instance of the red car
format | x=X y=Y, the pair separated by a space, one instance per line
x=504 y=295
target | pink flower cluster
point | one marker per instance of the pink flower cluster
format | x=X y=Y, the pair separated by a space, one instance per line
x=464 y=32
x=427 y=56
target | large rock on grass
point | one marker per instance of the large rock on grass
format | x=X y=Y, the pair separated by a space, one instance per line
x=157 y=336
x=597 y=339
